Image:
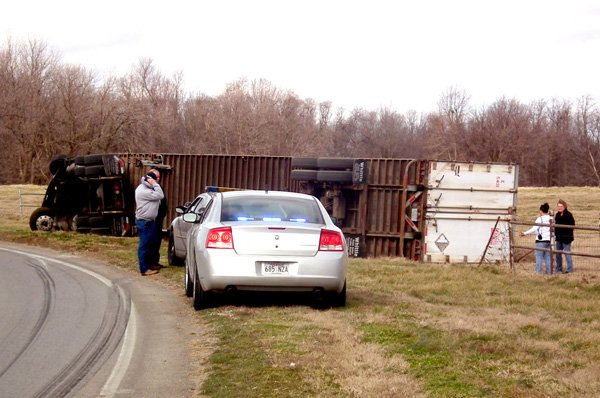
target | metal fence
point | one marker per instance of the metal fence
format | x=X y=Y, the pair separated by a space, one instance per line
x=18 y=201
x=28 y=200
x=585 y=249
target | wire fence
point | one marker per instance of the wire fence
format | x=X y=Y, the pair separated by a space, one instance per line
x=585 y=249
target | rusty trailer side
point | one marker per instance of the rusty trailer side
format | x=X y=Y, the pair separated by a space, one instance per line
x=381 y=210
x=380 y=204
x=184 y=176
x=392 y=208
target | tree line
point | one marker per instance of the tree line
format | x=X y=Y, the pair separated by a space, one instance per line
x=49 y=107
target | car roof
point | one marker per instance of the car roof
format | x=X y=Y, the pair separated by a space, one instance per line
x=265 y=193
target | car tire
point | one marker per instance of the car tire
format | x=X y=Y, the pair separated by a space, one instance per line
x=42 y=219
x=304 y=163
x=334 y=176
x=304 y=175
x=199 y=296
x=187 y=280
x=173 y=259
x=335 y=163
x=339 y=299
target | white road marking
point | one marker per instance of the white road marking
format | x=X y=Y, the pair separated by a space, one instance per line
x=111 y=386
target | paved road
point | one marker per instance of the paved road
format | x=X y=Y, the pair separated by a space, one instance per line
x=75 y=327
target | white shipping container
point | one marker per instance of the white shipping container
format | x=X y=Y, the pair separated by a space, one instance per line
x=464 y=202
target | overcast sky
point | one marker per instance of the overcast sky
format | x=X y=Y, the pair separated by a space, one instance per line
x=399 y=54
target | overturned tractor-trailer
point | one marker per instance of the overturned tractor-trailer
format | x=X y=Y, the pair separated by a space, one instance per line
x=436 y=211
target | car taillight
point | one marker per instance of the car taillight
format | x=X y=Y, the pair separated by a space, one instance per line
x=331 y=241
x=220 y=238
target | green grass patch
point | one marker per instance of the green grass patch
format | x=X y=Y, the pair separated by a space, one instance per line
x=255 y=356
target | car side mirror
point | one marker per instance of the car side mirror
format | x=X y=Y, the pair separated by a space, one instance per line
x=191 y=217
x=180 y=210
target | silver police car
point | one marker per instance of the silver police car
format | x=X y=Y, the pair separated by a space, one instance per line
x=264 y=241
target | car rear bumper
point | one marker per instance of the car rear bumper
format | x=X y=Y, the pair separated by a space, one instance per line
x=225 y=270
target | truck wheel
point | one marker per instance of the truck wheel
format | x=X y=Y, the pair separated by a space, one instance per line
x=78 y=170
x=335 y=163
x=81 y=223
x=90 y=160
x=304 y=163
x=303 y=175
x=334 y=176
x=94 y=170
x=42 y=219
x=57 y=163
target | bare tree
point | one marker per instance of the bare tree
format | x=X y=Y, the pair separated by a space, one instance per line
x=25 y=72
x=447 y=128
x=587 y=130
x=499 y=133
x=153 y=103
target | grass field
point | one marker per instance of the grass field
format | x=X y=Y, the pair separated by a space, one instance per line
x=408 y=330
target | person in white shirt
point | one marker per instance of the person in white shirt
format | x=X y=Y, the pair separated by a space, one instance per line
x=542 y=240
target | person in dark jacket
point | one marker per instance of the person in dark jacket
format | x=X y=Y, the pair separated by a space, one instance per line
x=563 y=236
x=154 y=257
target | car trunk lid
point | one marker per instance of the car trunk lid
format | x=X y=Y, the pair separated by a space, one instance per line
x=284 y=240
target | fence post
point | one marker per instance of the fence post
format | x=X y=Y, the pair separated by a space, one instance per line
x=20 y=203
x=510 y=245
x=551 y=244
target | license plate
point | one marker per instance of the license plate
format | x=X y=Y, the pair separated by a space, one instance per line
x=275 y=268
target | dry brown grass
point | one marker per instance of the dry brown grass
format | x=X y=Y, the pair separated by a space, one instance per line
x=413 y=330
x=11 y=201
x=584 y=202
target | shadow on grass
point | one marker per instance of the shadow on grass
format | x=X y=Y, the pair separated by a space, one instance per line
x=270 y=299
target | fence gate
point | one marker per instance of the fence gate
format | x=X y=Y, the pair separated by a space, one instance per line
x=585 y=249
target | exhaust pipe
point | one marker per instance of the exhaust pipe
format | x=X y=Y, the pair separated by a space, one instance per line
x=230 y=289
x=319 y=293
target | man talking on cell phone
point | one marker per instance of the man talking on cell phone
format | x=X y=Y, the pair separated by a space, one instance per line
x=147 y=200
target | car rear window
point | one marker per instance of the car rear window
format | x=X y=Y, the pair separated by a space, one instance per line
x=271 y=209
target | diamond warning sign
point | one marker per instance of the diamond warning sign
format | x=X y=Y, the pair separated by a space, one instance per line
x=442 y=242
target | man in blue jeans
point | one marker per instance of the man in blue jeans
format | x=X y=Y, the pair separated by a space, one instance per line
x=147 y=199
